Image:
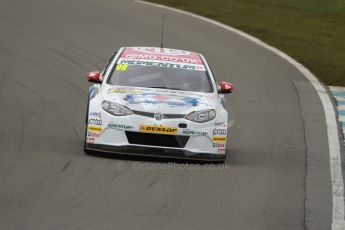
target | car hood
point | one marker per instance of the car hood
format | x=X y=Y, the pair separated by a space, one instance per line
x=160 y=100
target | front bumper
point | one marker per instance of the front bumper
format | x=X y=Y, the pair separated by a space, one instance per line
x=141 y=135
x=155 y=152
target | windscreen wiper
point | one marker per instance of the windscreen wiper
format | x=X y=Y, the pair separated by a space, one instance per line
x=163 y=87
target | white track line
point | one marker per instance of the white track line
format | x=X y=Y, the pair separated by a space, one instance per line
x=338 y=222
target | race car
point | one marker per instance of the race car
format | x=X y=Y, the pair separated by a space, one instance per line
x=157 y=102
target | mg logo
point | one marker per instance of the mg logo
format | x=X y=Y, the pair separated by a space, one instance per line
x=159 y=116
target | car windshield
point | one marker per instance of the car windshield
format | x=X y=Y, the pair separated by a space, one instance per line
x=161 y=77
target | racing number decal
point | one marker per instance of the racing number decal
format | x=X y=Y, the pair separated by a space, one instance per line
x=121 y=67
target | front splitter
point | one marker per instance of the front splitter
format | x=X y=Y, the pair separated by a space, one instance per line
x=155 y=152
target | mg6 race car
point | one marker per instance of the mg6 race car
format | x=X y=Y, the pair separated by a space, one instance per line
x=157 y=102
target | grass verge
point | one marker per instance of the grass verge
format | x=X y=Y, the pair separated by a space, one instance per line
x=311 y=31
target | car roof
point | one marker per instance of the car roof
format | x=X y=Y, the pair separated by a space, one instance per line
x=162 y=54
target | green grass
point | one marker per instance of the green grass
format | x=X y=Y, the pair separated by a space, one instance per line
x=311 y=31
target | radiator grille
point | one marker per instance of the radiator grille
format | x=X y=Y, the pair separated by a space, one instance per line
x=174 y=141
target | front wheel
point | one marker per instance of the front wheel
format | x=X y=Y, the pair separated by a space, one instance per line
x=86 y=123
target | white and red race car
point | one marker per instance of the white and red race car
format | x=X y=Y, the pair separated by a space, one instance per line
x=157 y=102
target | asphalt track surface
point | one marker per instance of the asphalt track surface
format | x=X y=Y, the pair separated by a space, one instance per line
x=277 y=175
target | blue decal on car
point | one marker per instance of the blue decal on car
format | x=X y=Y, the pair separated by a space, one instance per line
x=171 y=100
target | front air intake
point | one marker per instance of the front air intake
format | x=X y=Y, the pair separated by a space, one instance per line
x=162 y=140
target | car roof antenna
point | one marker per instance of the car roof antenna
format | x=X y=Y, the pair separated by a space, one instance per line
x=162 y=37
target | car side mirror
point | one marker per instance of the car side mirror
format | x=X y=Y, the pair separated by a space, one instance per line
x=94 y=76
x=225 y=88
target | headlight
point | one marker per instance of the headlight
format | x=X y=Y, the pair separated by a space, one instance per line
x=202 y=116
x=116 y=109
